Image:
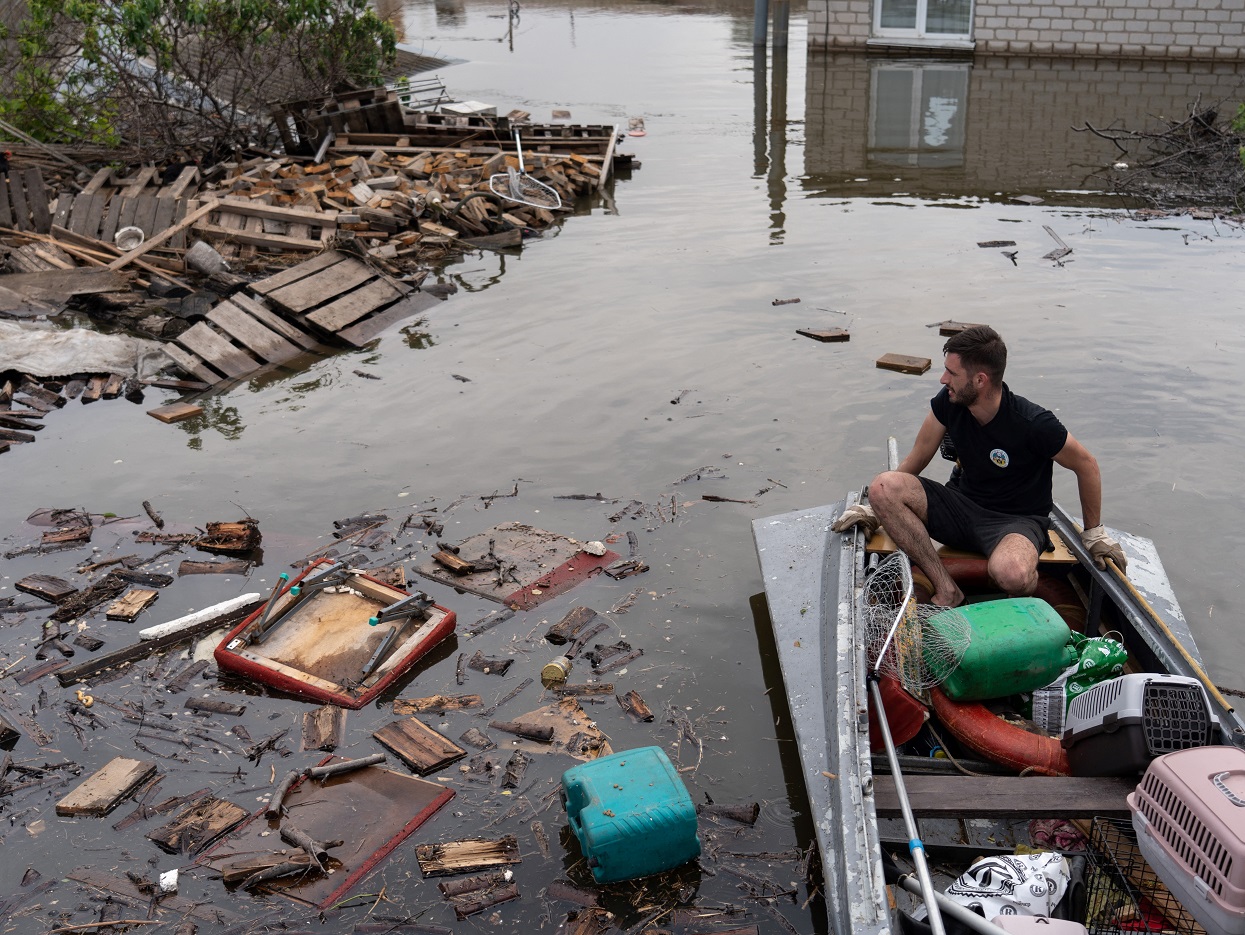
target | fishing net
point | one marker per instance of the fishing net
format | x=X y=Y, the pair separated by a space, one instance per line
x=516 y=186
x=919 y=644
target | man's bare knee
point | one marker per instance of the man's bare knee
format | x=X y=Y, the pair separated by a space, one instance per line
x=1015 y=578
x=889 y=489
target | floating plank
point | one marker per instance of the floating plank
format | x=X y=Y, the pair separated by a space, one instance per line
x=903 y=363
x=265 y=343
x=131 y=604
x=436 y=860
x=217 y=351
x=104 y=789
x=65 y=536
x=949 y=327
x=310 y=292
x=150 y=647
x=191 y=363
x=235 y=566
x=1006 y=796
x=324 y=727
x=272 y=320
x=354 y=305
x=571 y=625
x=197 y=826
x=436 y=703
x=175 y=412
x=824 y=334
x=47 y=587
x=300 y=271
x=419 y=746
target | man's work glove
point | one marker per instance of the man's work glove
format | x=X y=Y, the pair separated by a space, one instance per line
x=1102 y=547
x=860 y=514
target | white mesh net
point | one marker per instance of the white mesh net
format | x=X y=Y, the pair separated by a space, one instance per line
x=515 y=186
x=919 y=644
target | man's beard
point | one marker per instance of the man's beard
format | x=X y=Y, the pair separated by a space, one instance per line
x=967 y=396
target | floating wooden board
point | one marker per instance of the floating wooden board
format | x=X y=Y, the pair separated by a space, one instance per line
x=323 y=728
x=903 y=363
x=438 y=860
x=419 y=746
x=217 y=350
x=131 y=604
x=374 y=809
x=47 y=587
x=175 y=412
x=824 y=334
x=436 y=703
x=104 y=789
x=368 y=328
x=570 y=626
x=263 y=341
x=949 y=327
x=1006 y=796
x=197 y=825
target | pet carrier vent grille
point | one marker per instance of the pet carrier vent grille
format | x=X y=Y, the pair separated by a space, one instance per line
x=1174 y=717
x=1185 y=833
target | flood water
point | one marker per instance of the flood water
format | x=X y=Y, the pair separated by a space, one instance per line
x=863 y=190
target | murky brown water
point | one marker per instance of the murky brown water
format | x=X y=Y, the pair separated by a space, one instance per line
x=866 y=202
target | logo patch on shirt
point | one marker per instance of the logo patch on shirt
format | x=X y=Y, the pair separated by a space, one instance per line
x=999 y=457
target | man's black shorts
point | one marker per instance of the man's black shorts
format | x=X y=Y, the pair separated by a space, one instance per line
x=957 y=521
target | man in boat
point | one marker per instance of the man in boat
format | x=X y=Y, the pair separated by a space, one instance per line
x=998 y=500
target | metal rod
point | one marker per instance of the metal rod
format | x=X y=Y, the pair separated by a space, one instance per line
x=272 y=599
x=960 y=913
x=383 y=648
x=915 y=847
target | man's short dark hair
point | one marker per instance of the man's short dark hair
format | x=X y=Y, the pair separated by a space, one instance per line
x=981 y=349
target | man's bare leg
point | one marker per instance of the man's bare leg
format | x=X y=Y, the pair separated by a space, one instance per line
x=899 y=501
x=1013 y=565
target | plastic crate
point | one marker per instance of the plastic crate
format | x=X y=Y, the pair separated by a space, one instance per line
x=1124 y=895
x=631 y=814
x=1118 y=726
x=1189 y=815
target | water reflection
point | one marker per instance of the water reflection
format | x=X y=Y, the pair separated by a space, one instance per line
x=987 y=125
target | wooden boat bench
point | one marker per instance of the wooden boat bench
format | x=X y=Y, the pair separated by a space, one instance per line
x=881 y=543
x=1006 y=796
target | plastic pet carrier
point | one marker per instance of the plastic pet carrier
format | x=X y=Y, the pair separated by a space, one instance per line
x=1117 y=727
x=1123 y=894
x=1189 y=815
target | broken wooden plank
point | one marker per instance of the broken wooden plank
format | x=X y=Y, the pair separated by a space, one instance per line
x=131 y=604
x=104 y=789
x=262 y=341
x=47 y=587
x=260 y=210
x=212 y=706
x=633 y=704
x=571 y=625
x=258 y=238
x=308 y=293
x=419 y=746
x=824 y=334
x=197 y=826
x=273 y=321
x=175 y=412
x=436 y=703
x=541 y=732
x=903 y=363
x=324 y=728
x=191 y=363
x=367 y=328
x=298 y=272
x=466 y=856
x=216 y=350
x=354 y=305
x=235 y=566
x=37 y=200
x=947 y=328
x=147 y=648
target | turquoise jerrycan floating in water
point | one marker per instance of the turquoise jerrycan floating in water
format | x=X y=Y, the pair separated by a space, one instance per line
x=1017 y=645
x=631 y=814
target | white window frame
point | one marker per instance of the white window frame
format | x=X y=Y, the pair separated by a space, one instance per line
x=913 y=157
x=918 y=32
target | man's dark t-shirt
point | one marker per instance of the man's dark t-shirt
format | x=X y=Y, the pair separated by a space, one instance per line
x=1007 y=462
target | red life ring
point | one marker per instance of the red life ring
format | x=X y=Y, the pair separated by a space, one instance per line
x=979 y=728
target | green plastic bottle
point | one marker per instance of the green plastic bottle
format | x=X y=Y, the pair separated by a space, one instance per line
x=1017 y=645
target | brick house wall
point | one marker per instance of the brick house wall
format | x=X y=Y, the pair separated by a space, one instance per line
x=1179 y=29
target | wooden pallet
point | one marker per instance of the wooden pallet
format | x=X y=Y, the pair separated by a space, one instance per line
x=341 y=296
x=242 y=225
x=109 y=203
x=24 y=201
x=240 y=335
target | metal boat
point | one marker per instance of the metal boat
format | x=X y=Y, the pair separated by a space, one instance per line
x=813 y=580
